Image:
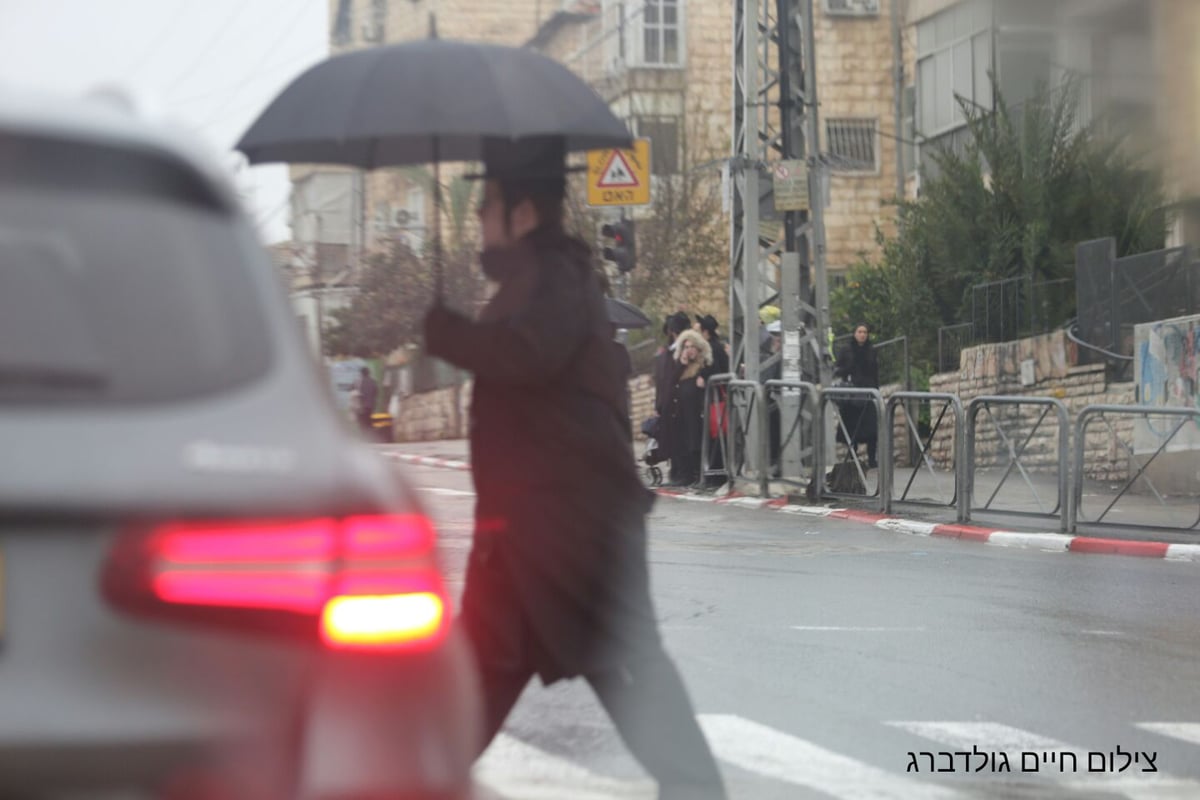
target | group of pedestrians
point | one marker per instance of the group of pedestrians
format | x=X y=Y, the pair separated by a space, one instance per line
x=692 y=353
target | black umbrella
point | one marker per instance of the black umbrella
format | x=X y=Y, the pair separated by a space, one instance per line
x=626 y=315
x=426 y=101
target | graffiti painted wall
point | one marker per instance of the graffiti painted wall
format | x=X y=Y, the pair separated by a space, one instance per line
x=1165 y=363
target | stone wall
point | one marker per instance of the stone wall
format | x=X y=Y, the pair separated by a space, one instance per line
x=855 y=81
x=440 y=414
x=641 y=390
x=992 y=369
x=443 y=414
x=995 y=369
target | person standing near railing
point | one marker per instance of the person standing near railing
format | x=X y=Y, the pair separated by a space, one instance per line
x=666 y=375
x=707 y=326
x=858 y=363
x=685 y=411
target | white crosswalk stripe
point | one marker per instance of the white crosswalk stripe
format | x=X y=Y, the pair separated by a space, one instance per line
x=766 y=751
x=521 y=771
x=1048 y=759
x=1186 y=731
x=993 y=735
x=516 y=770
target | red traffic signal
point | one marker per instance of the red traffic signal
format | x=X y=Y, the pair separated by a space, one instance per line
x=623 y=250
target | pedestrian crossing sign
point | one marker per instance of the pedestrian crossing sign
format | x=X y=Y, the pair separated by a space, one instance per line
x=620 y=177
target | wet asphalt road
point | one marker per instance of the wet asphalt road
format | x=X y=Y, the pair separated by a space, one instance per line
x=820 y=653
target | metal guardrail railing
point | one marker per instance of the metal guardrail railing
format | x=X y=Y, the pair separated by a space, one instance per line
x=1178 y=419
x=891 y=370
x=743 y=444
x=843 y=394
x=922 y=461
x=716 y=390
x=1015 y=451
x=800 y=434
x=747 y=450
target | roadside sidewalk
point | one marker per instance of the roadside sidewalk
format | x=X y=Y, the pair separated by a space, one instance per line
x=454 y=455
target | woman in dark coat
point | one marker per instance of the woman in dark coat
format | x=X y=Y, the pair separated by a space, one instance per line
x=685 y=415
x=858 y=364
x=666 y=373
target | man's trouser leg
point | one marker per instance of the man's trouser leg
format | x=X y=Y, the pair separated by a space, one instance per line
x=651 y=709
x=501 y=690
x=495 y=630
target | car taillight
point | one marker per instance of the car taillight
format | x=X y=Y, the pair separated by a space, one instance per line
x=358 y=583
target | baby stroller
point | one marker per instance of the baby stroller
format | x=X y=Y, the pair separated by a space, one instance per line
x=653 y=454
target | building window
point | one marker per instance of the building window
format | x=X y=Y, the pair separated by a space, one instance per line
x=851 y=144
x=663 y=133
x=416 y=206
x=661 y=33
x=342 y=22
x=954 y=56
x=852 y=8
x=374 y=29
x=643 y=33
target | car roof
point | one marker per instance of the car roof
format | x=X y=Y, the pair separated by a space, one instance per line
x=94 y=121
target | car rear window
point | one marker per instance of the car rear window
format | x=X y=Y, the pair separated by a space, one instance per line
x=122 y=279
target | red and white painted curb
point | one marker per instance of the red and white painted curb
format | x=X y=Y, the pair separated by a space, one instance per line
x=1049 y=542
x=425 y=461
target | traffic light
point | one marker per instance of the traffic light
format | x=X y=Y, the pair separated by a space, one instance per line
x=623 y=251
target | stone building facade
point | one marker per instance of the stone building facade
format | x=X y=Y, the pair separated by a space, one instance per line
x=1135 y=61
x=857 y=91
x=666 y=67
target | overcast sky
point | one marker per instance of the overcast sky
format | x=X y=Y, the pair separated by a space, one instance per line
x=211 y=65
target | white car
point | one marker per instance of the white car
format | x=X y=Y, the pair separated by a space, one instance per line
x=209 y=588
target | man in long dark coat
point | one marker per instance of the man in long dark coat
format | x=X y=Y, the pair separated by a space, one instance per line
x=557 y=582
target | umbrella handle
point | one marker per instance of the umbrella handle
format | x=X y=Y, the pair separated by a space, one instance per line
x=438 y=282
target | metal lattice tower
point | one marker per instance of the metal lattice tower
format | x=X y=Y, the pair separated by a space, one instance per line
x=773 y=258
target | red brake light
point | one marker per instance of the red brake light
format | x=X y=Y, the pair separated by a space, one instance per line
x=367 y=582
x=387 y=621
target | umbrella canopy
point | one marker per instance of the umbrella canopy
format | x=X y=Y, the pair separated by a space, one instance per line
x=428 y=101
x=626 y=315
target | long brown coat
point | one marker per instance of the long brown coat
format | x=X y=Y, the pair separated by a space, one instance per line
x=558 y=575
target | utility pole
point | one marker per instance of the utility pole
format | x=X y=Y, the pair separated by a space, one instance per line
x=777 y=257
x=775 y=118
x=819 y=336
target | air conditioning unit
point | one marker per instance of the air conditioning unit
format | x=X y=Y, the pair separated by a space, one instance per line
x=852 y=8
x=401 y=217
x=372 y=32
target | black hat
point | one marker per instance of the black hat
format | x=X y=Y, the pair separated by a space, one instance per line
x=678 y=322
x=707 y=323
x=534 y=158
